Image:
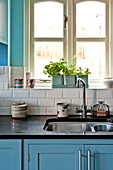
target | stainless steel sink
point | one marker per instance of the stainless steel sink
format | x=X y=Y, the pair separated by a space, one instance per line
x=77 y=126
x=103 y=127
x=68 y=127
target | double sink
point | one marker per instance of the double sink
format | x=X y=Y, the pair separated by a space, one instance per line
x=71 y=125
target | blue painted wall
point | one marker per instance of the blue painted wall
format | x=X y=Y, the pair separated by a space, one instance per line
x=3 y=54
x=3 y=32
x=12 y=29
x=4 y=21
x=16 y=32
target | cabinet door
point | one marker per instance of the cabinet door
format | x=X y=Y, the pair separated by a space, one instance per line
x=100 y=157
x=54 y=157
x=10 y=155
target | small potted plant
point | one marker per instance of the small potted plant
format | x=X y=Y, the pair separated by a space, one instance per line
x=54 y=70
x=83 y=74
x=69 y=71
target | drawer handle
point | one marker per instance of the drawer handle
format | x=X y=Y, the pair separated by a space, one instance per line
x=89 y=160
x=80 y=160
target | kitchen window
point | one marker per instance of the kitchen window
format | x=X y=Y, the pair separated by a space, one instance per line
x=64 y=29
x=47 y=34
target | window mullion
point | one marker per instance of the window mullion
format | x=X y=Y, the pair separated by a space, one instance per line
x=90 y=39
x=48 y=39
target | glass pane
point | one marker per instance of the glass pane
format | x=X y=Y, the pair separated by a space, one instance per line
x=90 y=19
x=92 y=55
x=48 y=19
x=44 y=52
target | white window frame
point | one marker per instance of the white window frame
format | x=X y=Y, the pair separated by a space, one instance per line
x=106 y=39
x=32 y=39
x=70 y=33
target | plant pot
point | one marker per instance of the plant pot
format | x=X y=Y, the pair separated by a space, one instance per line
x=70 y=79
x=85 y=78
x=57 y=80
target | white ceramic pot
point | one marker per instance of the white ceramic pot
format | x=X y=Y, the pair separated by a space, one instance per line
x=108 y=83
x=62 y=109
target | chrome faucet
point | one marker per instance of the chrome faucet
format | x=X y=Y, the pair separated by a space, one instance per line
x=84 y=107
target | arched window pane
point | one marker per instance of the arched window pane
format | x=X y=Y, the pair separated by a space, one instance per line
x=90 y=19
x=48 y=20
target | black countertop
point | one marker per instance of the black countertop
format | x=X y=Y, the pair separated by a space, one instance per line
x=32 y=128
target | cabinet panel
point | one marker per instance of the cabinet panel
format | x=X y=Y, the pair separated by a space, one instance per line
x=57 y=157
x=10 y=154
x=101 y=157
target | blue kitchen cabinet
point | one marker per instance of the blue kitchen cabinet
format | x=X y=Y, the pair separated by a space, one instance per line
x=99 y=157
x=68 y=154
x=10 y=155
x=54 y=157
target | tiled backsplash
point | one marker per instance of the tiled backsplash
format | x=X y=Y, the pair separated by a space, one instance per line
x=43 y=101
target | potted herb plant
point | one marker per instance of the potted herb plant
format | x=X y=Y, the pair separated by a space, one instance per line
x=83 y=74
x=69 y=71
x=54 y=70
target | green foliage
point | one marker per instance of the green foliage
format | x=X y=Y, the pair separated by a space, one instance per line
x=80 y=71
x=63 y=67
x=54 y=68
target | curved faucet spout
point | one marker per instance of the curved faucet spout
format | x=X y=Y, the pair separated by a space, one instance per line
x=84 y=107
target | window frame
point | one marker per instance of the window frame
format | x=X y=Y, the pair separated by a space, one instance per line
x=106 y=39
x=32 y=39
x=70 y=33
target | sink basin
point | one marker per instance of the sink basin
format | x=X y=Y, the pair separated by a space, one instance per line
x=68 y=127
x=77 y=126
x=103 y=127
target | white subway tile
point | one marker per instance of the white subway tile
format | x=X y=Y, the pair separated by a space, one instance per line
x=30 y=102
x=37 y=111
x=6 y=69
x=6 y=93
x=1 y=85
x=2 y=103
x=17 y=70
x=45 y=102
x=77 y=102
x=104 y=94
x=92 y=102
x=71 y=93
x=72 y=111
x=109 y=102
x=6 y=85
x=5 y=111
x=53 y=94
x=62 y=100
x=37 y=94
x=9 y=102
x=4 y=77
x=90 y=94
x=1 y=69
x=51 y=110
x=20 y=93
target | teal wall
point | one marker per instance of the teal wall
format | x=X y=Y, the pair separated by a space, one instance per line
x=11 y=32
x=3 y=32
x=16 y=27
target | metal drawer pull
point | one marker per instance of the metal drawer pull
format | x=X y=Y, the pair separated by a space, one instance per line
x=80 y=160
x=89 y=160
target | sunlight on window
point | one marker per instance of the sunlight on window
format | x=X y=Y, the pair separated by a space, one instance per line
x=90 y=19
x=48 y=19
x=44 y=53
x=92 y=55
